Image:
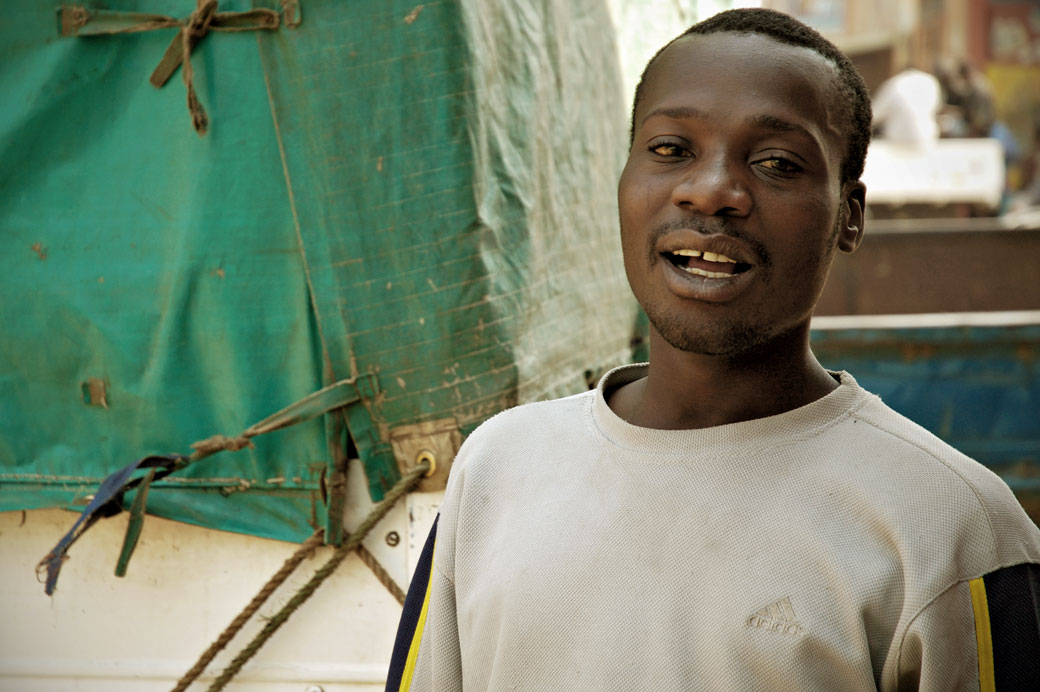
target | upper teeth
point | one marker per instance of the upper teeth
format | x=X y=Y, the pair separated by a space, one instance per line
x=709 y=256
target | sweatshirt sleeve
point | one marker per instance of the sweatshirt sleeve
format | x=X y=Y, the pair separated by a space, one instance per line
x=426 y=652
x=980 y=635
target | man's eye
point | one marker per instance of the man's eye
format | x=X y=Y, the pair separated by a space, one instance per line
x=780 y=165
x=669 y=150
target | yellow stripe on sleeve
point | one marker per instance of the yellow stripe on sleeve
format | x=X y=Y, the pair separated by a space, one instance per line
x=987 y=681
x=413 y=650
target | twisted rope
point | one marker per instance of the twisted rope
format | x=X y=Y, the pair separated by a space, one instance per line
x=77 y=17
x=203 y=19
x=218 y=443
x=401 y=488
x=381 y=574
x=303 y=552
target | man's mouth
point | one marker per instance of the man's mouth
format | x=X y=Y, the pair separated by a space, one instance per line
x=711 y=265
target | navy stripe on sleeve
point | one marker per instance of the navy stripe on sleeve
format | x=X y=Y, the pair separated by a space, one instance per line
x=413 y=604
x=1013 y=595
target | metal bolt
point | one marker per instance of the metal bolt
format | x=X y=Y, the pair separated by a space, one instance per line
x=393 y=538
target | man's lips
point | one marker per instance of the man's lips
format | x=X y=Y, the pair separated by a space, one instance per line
x=707 y=264
x=706 y=267
x=714 y=256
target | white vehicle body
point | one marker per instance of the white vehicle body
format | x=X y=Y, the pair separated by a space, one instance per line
x=184 y=585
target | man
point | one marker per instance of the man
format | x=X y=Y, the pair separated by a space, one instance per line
x=732 y=516
x=906 y=107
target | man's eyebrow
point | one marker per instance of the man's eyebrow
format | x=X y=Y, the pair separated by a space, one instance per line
x=675 y=112
x=771 y=122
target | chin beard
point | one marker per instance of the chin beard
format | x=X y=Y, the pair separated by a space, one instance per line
x=708 y=338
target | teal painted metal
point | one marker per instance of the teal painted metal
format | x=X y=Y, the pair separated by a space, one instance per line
x=976 y=387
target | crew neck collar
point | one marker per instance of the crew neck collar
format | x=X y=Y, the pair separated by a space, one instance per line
x=798 y=422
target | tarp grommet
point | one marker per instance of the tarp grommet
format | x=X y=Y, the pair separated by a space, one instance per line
x=428 y=457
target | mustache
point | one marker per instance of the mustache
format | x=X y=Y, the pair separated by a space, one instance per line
x=712 y=226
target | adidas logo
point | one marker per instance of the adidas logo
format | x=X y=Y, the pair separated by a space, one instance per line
x=776 y=617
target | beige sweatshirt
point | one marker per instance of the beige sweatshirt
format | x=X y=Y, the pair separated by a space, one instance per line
x=838 y=546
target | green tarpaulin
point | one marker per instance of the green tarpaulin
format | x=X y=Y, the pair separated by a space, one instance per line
x=415 y=197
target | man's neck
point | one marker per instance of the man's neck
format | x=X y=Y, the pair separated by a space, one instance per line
x=689 y=390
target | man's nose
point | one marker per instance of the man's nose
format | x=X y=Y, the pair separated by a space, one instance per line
x=713 y=187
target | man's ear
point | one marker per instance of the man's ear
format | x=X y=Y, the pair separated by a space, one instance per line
x=854 y=197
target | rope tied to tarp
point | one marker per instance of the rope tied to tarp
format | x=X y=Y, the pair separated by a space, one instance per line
x=78 y=20
x=75 y=18
x=220 y=443
x=192 y=32
x=401 y=488
x=108 y=500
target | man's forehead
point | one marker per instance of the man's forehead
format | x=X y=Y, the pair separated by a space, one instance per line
x=719 y=41
x=739 y=55
x=725 y=49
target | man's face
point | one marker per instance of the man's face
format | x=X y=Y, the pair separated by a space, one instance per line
x=731 y=204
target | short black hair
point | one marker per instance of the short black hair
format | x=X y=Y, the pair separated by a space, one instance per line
x=787 y=29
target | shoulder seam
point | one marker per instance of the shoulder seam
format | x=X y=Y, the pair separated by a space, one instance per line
x=942 y=592
x=985 y=513
x=910 y=622
x=965 y=481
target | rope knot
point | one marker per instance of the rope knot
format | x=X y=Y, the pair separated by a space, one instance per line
x=73 y=21
x=78 y=17
x=194 y=29
x=198 y=23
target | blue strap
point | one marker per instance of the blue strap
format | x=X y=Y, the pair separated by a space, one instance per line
x=107 y=502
